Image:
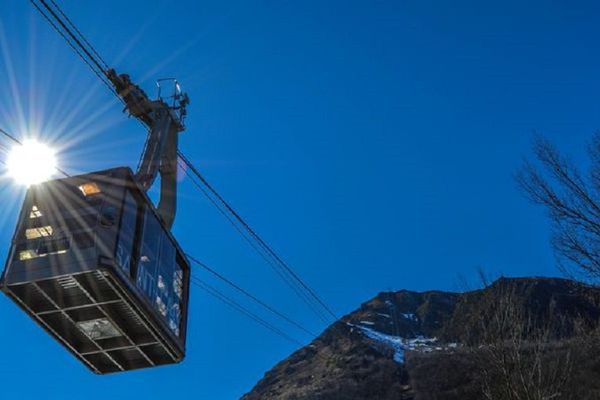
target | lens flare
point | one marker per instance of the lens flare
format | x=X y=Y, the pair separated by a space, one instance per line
x=31 y=163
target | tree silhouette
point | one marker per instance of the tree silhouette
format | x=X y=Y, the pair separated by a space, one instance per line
x=572 y=202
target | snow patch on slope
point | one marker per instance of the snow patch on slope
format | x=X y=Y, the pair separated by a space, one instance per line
x=400 y=345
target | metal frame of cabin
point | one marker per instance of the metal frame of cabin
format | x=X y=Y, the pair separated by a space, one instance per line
x=83 y=296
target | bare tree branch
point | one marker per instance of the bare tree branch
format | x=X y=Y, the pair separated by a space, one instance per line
x=572 y=203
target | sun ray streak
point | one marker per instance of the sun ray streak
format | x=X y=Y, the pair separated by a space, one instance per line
x=12 y=81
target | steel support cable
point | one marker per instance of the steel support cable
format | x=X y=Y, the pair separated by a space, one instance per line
x=256 y=236
x=66 y=39
x=277 y=269
x=249 y=295
x=106 y=66
x=100 y=74
x=302 y=294
x=241 y=309
x=9 y=136
x=102 y=68
x=261 y=242
x=70 y=33
x=297 y=290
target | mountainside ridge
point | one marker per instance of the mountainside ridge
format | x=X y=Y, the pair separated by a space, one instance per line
x=371 y=353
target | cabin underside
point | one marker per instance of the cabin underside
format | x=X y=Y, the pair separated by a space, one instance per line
x=91 y=314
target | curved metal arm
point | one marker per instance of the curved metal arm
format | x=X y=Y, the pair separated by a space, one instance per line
x=167 y=205
x=160 y=154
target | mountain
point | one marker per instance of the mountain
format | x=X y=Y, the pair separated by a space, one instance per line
x=516 y=333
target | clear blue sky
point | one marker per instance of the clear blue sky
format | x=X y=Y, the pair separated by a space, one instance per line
x=371 y=143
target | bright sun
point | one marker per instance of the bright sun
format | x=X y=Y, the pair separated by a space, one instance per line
x=32 y=162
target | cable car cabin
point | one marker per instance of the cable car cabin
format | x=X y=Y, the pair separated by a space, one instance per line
x=92 y=263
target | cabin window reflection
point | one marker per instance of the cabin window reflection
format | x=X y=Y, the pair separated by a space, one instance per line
x=159 y=275
x=35 y=212
x=168 y=298
x=148 y=261
x=41 y=248
x=177 y=299
x=42 y=231
x=89 y=189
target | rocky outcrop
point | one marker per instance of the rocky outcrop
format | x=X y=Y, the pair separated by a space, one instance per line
x=410 y=345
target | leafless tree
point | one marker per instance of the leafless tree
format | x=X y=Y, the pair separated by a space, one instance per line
x=519 y=358
x=572 y=201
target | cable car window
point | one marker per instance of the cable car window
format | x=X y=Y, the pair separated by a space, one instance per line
x=58 y=226
x=168 y=298
x=159 y=275
x=35 y=212
x=41 y=248
x=177 y=299
x=146 y=277
x=127 y=233
x=89 y=189
x=67 y=197
x=42 y=231
x=163 y=285
x=62 y=208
